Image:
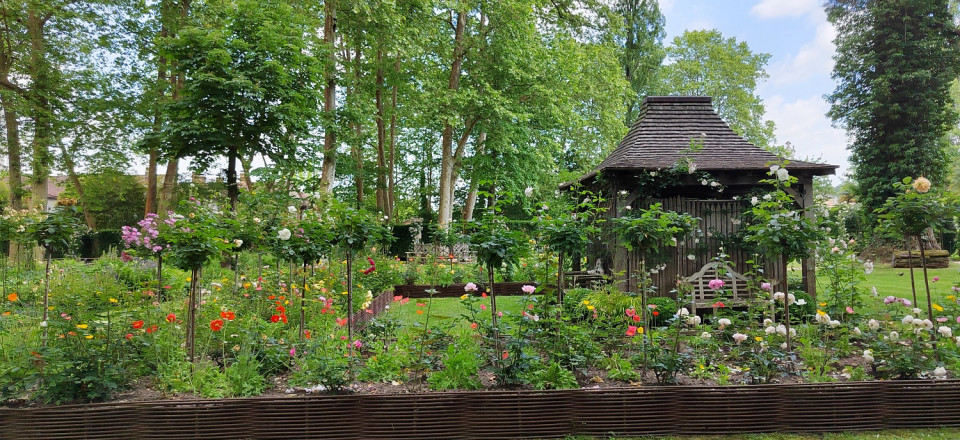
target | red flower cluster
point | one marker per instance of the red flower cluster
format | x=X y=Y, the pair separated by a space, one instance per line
x=372 y=267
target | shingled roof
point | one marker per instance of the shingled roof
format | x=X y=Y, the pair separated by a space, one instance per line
x=669 y=125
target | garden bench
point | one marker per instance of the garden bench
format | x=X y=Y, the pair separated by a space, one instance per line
x=733 y=282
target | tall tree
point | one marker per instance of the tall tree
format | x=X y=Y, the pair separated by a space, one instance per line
x=895 y=62
x=329 y=170
x=251 y=84
x=706 y=63
x=643 y=51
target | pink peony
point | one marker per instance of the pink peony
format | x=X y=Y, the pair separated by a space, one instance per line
x=716 y=284
x=766 y=286
x=528 y=289
x=470 y=287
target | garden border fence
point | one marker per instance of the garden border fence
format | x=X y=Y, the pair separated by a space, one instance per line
x=664 y=410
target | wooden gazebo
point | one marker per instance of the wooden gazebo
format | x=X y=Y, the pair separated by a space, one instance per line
x=721 y=170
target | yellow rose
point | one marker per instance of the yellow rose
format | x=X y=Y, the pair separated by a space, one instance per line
x=922 y=185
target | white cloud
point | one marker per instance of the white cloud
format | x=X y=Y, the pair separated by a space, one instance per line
x=768 y=9
x=804 y=124
x=815 y=59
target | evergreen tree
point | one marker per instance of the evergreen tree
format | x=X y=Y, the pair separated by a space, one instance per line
x=895 y=62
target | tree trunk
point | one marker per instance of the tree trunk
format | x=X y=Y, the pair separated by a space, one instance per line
x=356 y=149
x=247 y=164
x=447 y=161
x=75 y=180
x=382 y=198
x=168 y=188
x=233 y=192
x=391 y=182
x=471 y=202
x=15 y=176
x=39 y=71
x=329 y=169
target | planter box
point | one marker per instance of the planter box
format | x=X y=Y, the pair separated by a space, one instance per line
x=456 y=290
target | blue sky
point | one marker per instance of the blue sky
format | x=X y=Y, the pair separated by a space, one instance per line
x=800 y=41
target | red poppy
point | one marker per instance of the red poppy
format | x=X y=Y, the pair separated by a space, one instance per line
x=718 y=304
x=171 y=318
x=483 y=294
x=271 y=296
x=275 y=318
x=283 y=318
x=228 y=315
x=129 y=336
x=152 y=328
x=216 y=325
x=631 y=312
x=636 y=318
x=656 y=313
x=137 y=324
x=473 y=325
x=342 y=321
x=281 y=309
x=306 y=334
x=505 y=355
x=397 y=297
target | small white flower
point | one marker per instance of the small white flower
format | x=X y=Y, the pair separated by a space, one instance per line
x=907 y=319
x=770 y=330
x=723 y=322
x=947 y=332
x=238 y=242
x=768 y=322
x=714 y=184
x=940 y=372
x=873 y=324
x=754 y=200
x=834 y=324
x=916 y=311
x=528 y=192
x=692 y=168
x=682 y=312
x=739 y=337
x=256 y=220
x=43 y=323
x=873 y=290
x=691 y=257
x=767 y=197
x=284 y=234
x=868 y=356
x=856 y=330
x=706 y=335
x=292 y=209
x=624 y=192
x=801 y=302
x=782 y=175
x=774 y=169
x=894 y=336
x=693 y=320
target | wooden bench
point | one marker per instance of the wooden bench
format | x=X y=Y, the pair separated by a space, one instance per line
x=733 y=282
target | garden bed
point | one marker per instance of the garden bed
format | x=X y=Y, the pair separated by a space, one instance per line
x=851 y=406
x=456 y=290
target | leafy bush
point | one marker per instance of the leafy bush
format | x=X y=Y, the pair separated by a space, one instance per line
x=552 y=376
x=461 y=366
x=666 y=309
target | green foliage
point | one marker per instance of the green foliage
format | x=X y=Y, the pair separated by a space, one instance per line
x=495 y=243
x=57 y=232
x=552 y=376
x=666 y=308
x=461 y=365
x=643 y=52
x=704 y=63
x=775 y=224
x=914 y=208
x=252 y=84
x=619 y=368
x=244 y=377
x=195 y=237
x=894 y=66
x=113 y=198
x=648 y=229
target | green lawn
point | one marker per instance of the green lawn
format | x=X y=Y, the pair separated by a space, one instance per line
x=890 y=281
x=923 y=434
x=442 y=310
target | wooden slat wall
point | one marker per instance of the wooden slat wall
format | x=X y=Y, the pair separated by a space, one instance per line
x=717 y=218
x=628 y=412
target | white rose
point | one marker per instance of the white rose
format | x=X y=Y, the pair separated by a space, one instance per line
x=284 y=234
x=292 y=209
x=528 y=192
x=782 y=175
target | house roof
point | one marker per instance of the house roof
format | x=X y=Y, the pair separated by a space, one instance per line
x=667 y=128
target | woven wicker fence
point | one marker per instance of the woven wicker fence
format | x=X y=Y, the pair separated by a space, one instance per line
x=508 y=414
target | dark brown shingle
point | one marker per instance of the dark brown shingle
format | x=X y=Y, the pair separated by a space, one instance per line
x=667 y=127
